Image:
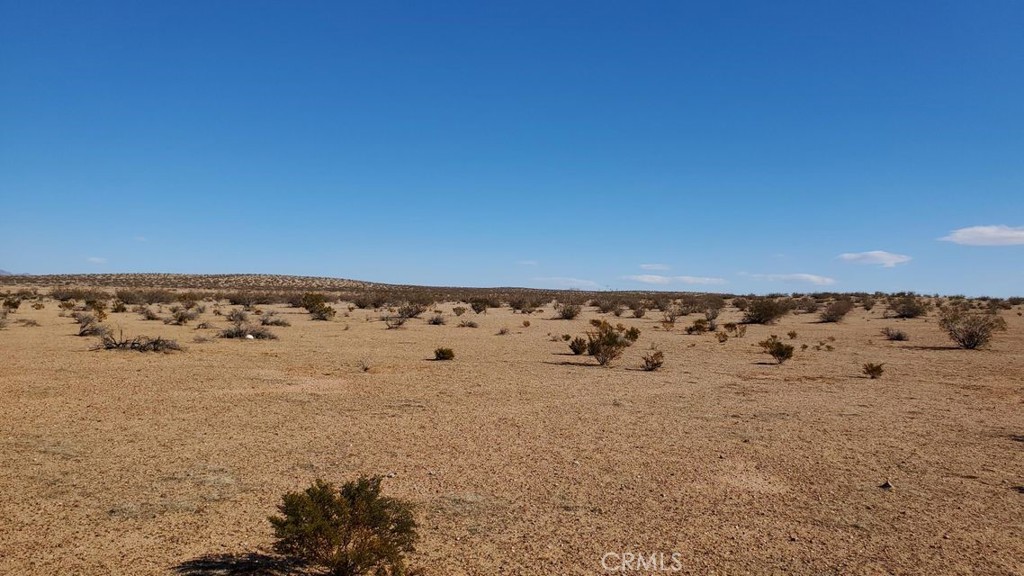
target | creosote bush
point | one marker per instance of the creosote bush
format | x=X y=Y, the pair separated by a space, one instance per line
x=777 y=349
x=436 y=320
x=872 y=370
x=353 y=531
x=459 y=310
x=607 y=342
x=568 y=310
x=907 y=306
x=444 y=354
x=836 y=310
x=322 y=312
x=968 y=329
x=764 y=311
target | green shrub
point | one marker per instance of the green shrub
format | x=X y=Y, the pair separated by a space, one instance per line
x=459 y=310
x=322 y=312
x=181 y=316
x=607 y=342
x=836 y=310
x=970 y=330
x=764 y=311
x=411 y=310
x=568 y=310
x=699 y=326
x=353 y=531
x=479 y=306
x=777 y=349
x=444 y=354
x=907 y=306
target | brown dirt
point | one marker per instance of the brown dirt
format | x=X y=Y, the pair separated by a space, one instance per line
x=522 y=459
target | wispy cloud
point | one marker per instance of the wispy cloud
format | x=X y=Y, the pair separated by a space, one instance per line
x=801 y=277
x=655 y=267
x=528 y=262
x=999 y=235
x=141 y=239
x=886 y=259
x=96 y=260
x=565 y=282
x=664 y=280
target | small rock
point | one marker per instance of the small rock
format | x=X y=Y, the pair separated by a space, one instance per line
x=886 y=485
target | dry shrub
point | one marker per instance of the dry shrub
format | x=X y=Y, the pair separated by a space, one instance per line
x=272 y=319
x=777 y=349
x=444 y=354
x=138 y=344
x=653 y=360
x=894 y=334
x=872 y=370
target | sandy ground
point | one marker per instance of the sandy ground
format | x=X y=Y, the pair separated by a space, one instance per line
x=521 y=458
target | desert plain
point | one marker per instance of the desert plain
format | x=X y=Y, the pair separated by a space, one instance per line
x=521 y=458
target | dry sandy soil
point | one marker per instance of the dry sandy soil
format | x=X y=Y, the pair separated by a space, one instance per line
x=522 y=459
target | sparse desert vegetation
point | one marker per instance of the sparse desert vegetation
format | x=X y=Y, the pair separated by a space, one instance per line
x=192 y=484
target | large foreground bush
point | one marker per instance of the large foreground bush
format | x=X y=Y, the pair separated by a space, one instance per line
x=350 y=532
x=970 y=330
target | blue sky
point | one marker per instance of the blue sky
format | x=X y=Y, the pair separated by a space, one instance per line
x=740 y=147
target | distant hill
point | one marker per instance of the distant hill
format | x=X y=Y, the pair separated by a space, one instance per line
x=5 y=273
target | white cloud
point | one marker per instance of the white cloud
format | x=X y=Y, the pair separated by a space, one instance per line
x=564 y=282
x=655 y=267
x=663 y=280
x=96 y=260
x=999 y=235
x=886 y=259
x=649 y=278
x=141 y=239
x=808 y=278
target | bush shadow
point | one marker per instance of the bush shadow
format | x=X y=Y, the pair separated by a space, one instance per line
x=244 y=564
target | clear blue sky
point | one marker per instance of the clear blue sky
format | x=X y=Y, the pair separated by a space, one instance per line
x=740 y=146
